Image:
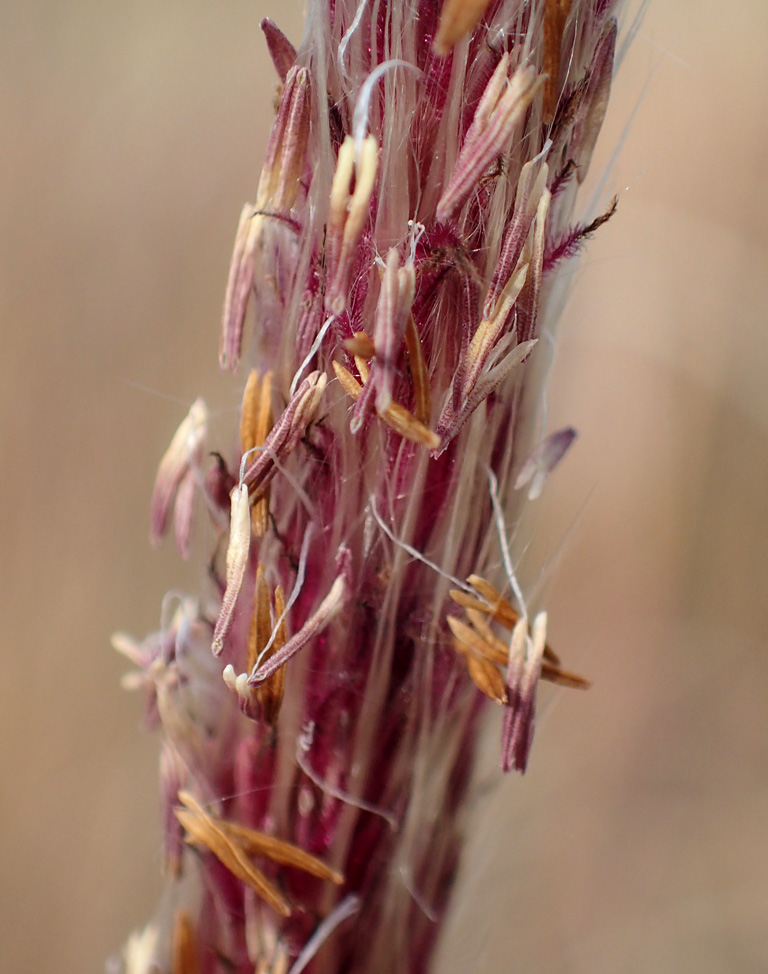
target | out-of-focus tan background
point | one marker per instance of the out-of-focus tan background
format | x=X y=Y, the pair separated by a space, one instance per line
x=638 y=841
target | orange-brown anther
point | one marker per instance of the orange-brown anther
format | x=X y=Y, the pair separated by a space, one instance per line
x=457 y=19
x=395 y=416
x=233 y=844
x=248 y=411
x=255 y=424
x=555 y=16
x=361 y=346
x=260 y=620
x=270 y=693
x=278 y=851
x=471 y=640
x=185 y=951
x=554 y=674
x=486 y=678
x=203 y=830
x=482 y=658
x=496 y=606
x=480 y=625
x=483 y=651
x=422 y=394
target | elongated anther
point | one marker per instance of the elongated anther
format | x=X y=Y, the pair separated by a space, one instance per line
x=237 y=560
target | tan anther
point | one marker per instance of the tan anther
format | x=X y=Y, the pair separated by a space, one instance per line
x=186 y=959
x=481 y=639
x=348 y=382
x=480 y=624
x=249 y=411
x=255 y=424
x=422 y=394
x=483 y=674
x=342 y=177
x=362 y=368
x=284 y=436
x=203 y=830
x=348 y=212
x=486 y=678
x=366 y=167
x=395 y=416
x=473 y=641
x=237 y=559
x=555 y=16
x=489 y=330
x=457 y=19
x=410 y=428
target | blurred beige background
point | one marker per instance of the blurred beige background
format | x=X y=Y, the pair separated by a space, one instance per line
x=638 y=841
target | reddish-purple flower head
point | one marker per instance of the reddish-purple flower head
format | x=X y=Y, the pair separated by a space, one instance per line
x=390 y=303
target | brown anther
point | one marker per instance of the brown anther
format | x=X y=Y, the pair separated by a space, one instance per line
x=278 y=851
x=203 y=830
x=360 y=345
x=260 y=620
x=484 y=675
x=480 y=625
x=486 y=678
x=395 y=416
x=457 y=19
x=270 y=693
x=422 y=394
x=554 y=674
x=496 y=606
x=555 y=16
x=185 y=950
x=470 y=640
x=255 y=423
x=233 y=844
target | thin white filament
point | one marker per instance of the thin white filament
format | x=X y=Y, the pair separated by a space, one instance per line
x=432 y=915
x=415 y=553
x=303 y=744
x=344 y=43
x=300 y=576
x=360 y=117
x=311 y=354
x=244 y=461
x=298 y=489
x=501 y=529
x=347 y=908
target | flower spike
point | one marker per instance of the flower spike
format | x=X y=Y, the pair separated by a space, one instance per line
x=416 y=205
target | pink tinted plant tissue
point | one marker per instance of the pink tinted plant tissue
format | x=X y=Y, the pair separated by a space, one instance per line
x=389 y=314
